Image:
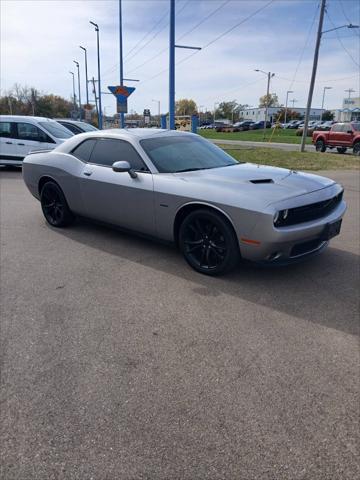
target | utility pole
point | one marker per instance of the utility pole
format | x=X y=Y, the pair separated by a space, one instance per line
x=313 y=74
x=86 y=75
x=269 y=77
x=323 y=100
x=350 y=91
x=286 y=103
x=78 y=70
x=100 y=119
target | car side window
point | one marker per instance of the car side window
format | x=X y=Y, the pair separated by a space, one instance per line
x=337 y=128
x=27 y=131
x=73 y=128
x=108 y=151
x=83 y=151
x=346 y=127
x=6 y=130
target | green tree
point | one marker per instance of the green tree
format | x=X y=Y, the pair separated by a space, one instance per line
x=186 y=106
x=327 y=115
x=290 y=115
x=271 y=100
x=230 y=110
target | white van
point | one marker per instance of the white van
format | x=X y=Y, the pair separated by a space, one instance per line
x=20 y=135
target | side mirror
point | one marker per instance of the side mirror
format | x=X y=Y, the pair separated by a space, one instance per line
x=349 y=131
x=124 y=167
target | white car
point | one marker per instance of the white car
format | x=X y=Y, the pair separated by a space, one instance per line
x=20 y=135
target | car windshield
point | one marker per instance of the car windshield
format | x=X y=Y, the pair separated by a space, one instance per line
x=356 y=126
x=185 y=153
x=57 y=130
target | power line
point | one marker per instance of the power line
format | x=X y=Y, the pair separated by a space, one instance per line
x=218 y=37
x=183 y=35
x=303 y=49
x=340 y=41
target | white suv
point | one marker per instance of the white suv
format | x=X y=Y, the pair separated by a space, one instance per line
x=20 y=135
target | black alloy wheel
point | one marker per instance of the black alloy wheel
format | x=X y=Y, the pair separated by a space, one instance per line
x=356 y=149
x=208 y=242
x=320 y=146
x=54 y=206
x=341 y=149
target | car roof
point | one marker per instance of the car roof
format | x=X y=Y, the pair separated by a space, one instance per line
x=70 y=120
x=14 y=118
x=138 y=133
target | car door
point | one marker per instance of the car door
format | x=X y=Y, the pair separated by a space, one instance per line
x=116 y=197
x=335 y=135
x=8 y=144
x=346 y=137
x=29 y=137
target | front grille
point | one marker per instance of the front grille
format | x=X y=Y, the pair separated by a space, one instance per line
x=312 y=211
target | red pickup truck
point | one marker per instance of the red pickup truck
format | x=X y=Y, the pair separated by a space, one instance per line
x=341 y=136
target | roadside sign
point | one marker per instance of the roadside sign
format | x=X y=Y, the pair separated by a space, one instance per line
x=87 y=114
x=121 y=92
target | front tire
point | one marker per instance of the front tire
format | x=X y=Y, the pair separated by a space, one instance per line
x=208 y=243
x=320 y=146
x=54 y=206
x=341 y=149
x=356 y=149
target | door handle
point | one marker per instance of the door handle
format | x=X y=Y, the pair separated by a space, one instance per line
x=22 y=144
x=88 y=173
x=9 y=143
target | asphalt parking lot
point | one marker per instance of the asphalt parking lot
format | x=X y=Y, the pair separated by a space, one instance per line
x=120 y=362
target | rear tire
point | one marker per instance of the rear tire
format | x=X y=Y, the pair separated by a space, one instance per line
x=54 y=206
x=320 y=146
x=208 y=243
x=356 y=149
x=341 y=149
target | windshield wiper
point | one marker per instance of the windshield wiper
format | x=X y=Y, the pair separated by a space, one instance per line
x=191 y=169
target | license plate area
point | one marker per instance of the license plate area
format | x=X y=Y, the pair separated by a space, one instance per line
x=331 y=230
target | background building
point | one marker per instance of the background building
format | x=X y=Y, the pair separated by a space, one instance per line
x=257 y=114
x=350 y=110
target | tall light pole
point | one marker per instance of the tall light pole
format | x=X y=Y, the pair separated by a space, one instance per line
x=122 y=115
x=86 y=75
x=100 y=116
x=320 y=32
x=293 y=102
x=216 y=103
x=78 y=70
x=74 y=94
x=269 y=77
x=286 y=103
x=172 y=47
x=323 y=100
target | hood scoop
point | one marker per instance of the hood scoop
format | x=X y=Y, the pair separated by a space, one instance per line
x=262 y=180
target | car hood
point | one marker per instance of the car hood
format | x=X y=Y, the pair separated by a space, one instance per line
x=262 y=183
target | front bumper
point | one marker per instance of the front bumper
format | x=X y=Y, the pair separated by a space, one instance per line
x=289 y=244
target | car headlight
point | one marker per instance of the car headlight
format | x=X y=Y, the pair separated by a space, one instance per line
x=280 y=217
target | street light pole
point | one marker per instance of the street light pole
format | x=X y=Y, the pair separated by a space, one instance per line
x=286 y=103
x=323 y=100
x=122 y=115
x=78 y=70
x=86 y=75
x=158 y=102
x=100 y=116
x=350 y=91
x=74 y=94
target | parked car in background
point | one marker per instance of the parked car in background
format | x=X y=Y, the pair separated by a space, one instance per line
x=76 y=126
x=225 y=128
x=292 y=124
x=259 y=125
x=326 y=125
x=217 y=210
x=19 y=135
x=242 y=126
x=341 y=136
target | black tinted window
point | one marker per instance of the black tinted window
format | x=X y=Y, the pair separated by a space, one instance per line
x=83 y=151
x=27 y=131
x=107 y=151
x=73 y=128
x=5 y=129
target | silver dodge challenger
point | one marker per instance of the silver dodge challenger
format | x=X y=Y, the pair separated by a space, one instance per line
x=179 y=187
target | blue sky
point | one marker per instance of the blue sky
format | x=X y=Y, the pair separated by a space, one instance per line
x=40 y=40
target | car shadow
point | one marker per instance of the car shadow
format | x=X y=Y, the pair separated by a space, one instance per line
x=322 y=290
